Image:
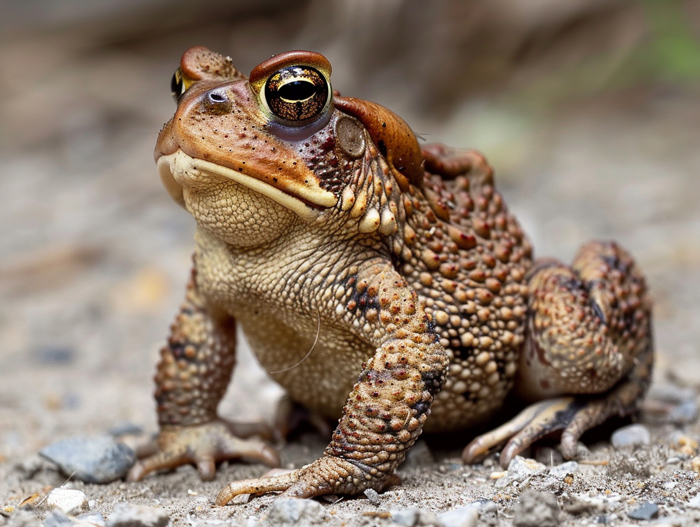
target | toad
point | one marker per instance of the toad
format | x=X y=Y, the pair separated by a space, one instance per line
x=379 y=282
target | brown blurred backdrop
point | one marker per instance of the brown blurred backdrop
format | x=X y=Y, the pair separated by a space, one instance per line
x=588 y=109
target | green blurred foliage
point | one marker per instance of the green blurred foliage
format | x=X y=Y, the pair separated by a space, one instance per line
x=674 y=51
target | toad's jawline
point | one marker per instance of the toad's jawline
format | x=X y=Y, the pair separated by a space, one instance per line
x=174 y=168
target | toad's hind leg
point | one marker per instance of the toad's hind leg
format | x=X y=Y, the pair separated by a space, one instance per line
x=588 y=354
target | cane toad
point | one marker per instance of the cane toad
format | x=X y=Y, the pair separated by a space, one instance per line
x=378 y=281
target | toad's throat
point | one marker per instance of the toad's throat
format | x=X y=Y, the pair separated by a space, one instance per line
x=178 y=170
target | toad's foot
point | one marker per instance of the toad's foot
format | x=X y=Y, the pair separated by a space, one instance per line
x=327 y=475
x=202 y=445
x=571 y=415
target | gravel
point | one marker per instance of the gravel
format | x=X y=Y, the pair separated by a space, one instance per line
x=563 y=470
x=105 y=253
x=130 y=515
x=290 y=511
x=536 y=509
x=694 y=502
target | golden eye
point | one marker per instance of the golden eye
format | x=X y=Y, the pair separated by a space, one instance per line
x=296 y=94
x=177 y=85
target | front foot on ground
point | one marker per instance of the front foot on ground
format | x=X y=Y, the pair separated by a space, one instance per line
x=202 y=445
x=327 y=475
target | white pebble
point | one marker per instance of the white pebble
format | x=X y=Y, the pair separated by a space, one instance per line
x=561 y=471
x=372 y=496
x=519 y=470
x=67 y=500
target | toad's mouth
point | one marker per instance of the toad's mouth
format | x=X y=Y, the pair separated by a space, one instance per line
x=178 y=170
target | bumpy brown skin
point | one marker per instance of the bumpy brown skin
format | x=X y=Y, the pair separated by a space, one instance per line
x=377 y=282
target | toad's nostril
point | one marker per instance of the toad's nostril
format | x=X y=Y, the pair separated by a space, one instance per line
x=217 y=97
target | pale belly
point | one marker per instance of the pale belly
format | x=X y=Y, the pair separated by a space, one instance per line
x=317 y=367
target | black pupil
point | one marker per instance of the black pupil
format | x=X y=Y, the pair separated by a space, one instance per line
x=175 y=85
x=297 y=90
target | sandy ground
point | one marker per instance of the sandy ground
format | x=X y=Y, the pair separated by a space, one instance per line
x=94 y=257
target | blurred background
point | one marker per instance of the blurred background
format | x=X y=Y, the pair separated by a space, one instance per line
x=589 y=110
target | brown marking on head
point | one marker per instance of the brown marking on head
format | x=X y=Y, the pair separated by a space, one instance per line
x=392 y=136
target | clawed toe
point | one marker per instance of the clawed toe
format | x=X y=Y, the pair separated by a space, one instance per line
x=256 y=486
x=533 y=423
x=572 y=416
x=327 y=475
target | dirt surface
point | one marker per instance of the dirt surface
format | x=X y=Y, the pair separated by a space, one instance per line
x=94 y=257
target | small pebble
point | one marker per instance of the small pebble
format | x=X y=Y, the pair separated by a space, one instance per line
x=683 y=414
x=93 y=518
x=485 y=505
x=68 y=501
x=414 y=517
x=467 y=516
x=519 y=470
x=290 y=511
x=695 y=464
x=405 y=517
x=630 y=436
x=373 y=496
x=536 y=509
x=694 y=502
x=683 y=443
x=563 y=470
x=93 y=459
x=128 y=515
x=646 y=511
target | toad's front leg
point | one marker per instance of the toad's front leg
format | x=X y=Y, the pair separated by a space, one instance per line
x=386 y=409
x=192 y=377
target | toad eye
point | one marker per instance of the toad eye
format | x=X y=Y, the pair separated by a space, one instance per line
x=296 y=94
x=177 y=85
